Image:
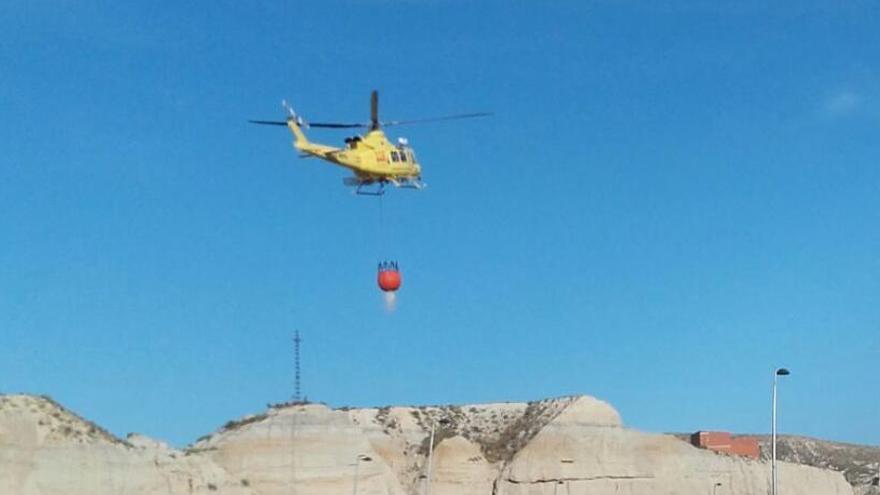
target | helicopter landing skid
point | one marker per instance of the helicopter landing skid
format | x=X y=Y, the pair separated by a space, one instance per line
x=410 y=184
x=366 y=188
x=377 y=192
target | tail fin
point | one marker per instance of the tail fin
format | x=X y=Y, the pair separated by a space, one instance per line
x=295 y=123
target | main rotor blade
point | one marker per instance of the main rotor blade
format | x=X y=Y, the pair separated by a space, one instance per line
x=268 y=122
x=438 y=119
x=333 y=125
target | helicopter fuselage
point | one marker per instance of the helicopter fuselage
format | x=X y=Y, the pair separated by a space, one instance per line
x=372 y=157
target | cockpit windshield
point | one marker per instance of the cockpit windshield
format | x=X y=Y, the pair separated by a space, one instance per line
x=406 y=153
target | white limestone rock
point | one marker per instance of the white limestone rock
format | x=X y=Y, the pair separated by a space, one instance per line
x=47 y=450
x=564 y=446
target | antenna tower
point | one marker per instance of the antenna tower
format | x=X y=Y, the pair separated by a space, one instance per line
x=297 y=396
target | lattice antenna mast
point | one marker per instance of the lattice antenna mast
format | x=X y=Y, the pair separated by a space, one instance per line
x=297 y=397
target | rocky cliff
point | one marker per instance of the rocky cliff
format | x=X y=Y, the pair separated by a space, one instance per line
x=47 y=450
x=860 y=464
x=565 y=446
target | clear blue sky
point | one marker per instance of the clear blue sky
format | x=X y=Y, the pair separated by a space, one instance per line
x=668 y=202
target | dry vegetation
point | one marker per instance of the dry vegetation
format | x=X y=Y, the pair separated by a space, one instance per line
x=858 y=463
x=499 y=431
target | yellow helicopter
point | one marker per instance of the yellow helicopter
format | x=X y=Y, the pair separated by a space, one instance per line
x=374 y=160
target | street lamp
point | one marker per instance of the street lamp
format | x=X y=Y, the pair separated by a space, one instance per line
x=357 y=465
x=715 y=487
x=567 y=485
x=776 y=374
x=431 y=452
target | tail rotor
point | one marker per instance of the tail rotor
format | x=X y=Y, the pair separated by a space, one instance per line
x=291 y=115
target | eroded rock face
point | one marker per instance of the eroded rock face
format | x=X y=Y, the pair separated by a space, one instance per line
x=566 y=446
x=460 y=467
x=575 y=456
x=311 y=447
x=47 y=450
x=860 y=464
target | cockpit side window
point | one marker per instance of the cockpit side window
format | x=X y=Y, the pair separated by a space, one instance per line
x=394 y=157
x=402 y=156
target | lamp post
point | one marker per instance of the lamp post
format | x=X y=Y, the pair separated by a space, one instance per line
x=431 y=452
x=430 y=458
x=776 y=374
x=357 y=465
x=567 y=481
x=556 y=487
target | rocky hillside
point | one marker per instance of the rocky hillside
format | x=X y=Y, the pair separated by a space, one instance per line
x=56 y=423
x=574 y=445
x=46 y=449
x=858 y=463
